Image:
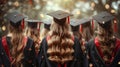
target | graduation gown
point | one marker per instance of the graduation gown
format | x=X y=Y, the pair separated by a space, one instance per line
x=79 y=61
x=95 y=57
x=28 y=52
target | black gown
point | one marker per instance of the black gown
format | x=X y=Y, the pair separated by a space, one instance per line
x=96 y=59
x=28 y=52
x=79 y=61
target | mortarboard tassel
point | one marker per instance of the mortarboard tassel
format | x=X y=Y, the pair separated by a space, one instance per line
x=68 y=20
x=30 y=2
x=59 y=65
x=115 y=25
x=92 y=24
x=65 y=65
x=80 y=28
x=22 y=24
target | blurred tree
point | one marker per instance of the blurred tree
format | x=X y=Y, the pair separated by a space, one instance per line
x=107 y=5
x=35 y=9
x=31 y=8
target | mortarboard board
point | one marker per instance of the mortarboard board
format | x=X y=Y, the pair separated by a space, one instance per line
x=74 y=23
x=103 y=19
x=85 y=22
x=15 y=18
x=33 y=23
x=47 y=24
x=59 y=16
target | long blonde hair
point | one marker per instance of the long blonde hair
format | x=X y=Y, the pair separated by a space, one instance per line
x=17 y=45
x=44 y=33
x=60 y=44
x=35 y=35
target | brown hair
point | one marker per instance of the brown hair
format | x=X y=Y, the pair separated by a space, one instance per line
x=105 y=34
x=87 y=33
x=60 y=44
x=77 y=34
x=107 y=41
x=17 y=44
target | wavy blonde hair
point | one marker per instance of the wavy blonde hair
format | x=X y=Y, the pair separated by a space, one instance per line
x=44 y=33
x=35 y=35
x=60 y=44
x=17 y=45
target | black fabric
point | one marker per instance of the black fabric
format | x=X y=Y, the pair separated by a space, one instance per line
x=47 y=26
x=79 y=61
x=96 y=59
x=33 y=23
x=29 y=55
x=75 y=28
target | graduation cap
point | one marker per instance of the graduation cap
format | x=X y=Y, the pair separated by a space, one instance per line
x=84 y=22
x=74 y=23
x=15 y=18
x=60 y=16
x=47 y=24
x=34 y=23
x=104 y=19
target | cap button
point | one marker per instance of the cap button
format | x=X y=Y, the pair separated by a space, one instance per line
x=103 y=22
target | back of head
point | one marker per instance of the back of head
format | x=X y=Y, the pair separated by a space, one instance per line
x=16 y=28
x=86 y=29
x=33 y=29
x=60 y=44
x=105 y=28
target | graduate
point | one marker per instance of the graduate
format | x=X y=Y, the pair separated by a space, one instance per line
x=46 y=28
x=33 y=31
x=75 y=28
x=60 y=48
x=86 y=29
x=16 y=49
x=104 y=49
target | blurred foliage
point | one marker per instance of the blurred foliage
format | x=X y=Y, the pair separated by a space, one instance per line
x=36 y=9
